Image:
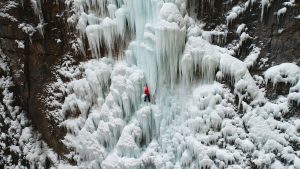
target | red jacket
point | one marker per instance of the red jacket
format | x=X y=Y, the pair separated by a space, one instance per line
x=146 y=90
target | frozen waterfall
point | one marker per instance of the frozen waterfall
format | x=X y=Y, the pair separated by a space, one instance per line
x=194 y=119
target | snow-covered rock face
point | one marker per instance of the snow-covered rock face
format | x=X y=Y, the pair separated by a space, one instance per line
x=287 y=73
x=20 y=144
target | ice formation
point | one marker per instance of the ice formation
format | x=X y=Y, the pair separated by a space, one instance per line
x=207 y=110
x=252 y=57
x=280 y=12
x=161 y=47
x=37 y=8
x=199 y=56
x=217 y=36
x=287 y=73
x=264 y=6
x=240 y=28
x=20 y=44
x=170 y=39
x=235 y=12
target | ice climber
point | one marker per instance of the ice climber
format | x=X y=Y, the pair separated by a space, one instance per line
x=147 y=94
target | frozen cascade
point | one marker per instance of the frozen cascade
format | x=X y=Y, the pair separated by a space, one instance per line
x=162 y=45
x=141 y=13
x=147 y=60
x=127 y=87
x=103 y=32
x=149 y=118
x=101 y=121
x=199 y=56
x=264 y=6
x=170 y=36
x=37 y=8
x=197 y=127
x=215 y=36
x=127 y=144
x=99 y=34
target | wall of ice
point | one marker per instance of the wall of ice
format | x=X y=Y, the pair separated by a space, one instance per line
x=159 y=30
x=193 y=121
x=106 y=97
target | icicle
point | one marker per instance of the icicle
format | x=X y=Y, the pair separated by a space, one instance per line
x=94 y=35
x=147 y=117
x=264 y=3
x=80 y=5
x=225 y=156
x=186 y=72
x=240 y=28
x=232 y=66
x=127 y=145
x=244 y=36
x=37 y=7
x=252 y=57
x=200 y=57
x=234 y=13
x=109 y=33
x=206 y=163
x=117 y=3
x=285 y=72
x=111 y=10
x=121 y=18
x=140 y=13
x=215 y=121
x=144 y=56
x=280 y=12
x=99 y=4
x=126 y=88
x=170 y=40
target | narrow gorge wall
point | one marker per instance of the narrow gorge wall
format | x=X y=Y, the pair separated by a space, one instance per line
x=32 y=56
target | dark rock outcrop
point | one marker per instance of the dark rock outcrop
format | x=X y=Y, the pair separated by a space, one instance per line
x=31 y=66
x=278 y=37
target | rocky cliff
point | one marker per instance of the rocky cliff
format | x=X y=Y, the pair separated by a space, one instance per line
x=33 y=46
